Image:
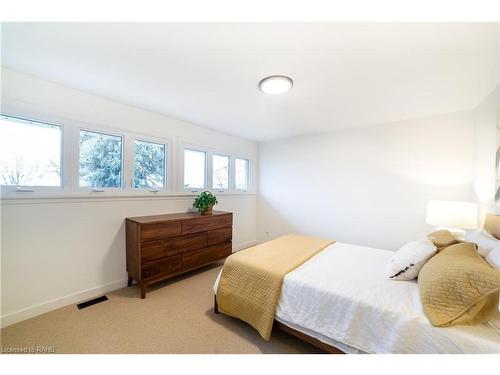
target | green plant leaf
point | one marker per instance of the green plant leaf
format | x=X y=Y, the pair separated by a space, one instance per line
x=205 y=201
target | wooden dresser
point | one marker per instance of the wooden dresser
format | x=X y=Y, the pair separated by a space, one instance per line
x=163 y=246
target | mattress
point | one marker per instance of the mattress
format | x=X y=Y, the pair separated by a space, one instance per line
x=342 y=297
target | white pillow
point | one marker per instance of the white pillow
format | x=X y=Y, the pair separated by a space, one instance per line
x=485 y=243
x=493 y=257
x=407 y=262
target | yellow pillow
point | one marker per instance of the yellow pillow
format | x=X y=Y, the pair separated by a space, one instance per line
x=458 y=287
x=442 y=239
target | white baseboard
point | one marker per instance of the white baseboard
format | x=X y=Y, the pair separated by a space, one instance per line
x=42 y=308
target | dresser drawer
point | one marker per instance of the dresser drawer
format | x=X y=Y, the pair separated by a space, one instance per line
x=166 y=266
x=206 y=255
x=171 y=246
x=206 y=223
x=163 y=246
x=219 y=235
x=156 y=231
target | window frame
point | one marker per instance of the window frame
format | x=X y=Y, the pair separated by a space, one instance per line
x=229 y=172
x=101 y=189
x=9 y=189
x=70 y=162
x=166 y=179
x=207 y=178
x=248 y=188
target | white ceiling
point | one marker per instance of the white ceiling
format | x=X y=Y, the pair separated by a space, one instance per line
x=345 y=75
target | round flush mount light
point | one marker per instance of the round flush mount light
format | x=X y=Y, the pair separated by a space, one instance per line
x=275 y=85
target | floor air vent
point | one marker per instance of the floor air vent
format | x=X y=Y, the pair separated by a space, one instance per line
x=91 y=302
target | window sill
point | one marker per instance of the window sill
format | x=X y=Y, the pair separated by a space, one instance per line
x=28 y=198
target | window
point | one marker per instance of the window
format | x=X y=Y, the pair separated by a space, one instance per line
x=149 y=165
x=100 y=160
x=30 y=153
x=241 y=174
x=194 y=169
x=220 y=176
x=31 y=159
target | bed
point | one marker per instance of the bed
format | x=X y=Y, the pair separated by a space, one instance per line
x=341 y=301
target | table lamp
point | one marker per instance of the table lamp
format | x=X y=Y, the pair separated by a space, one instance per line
x=455 y=216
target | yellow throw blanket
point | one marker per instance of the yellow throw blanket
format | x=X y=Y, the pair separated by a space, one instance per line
x=250 y=284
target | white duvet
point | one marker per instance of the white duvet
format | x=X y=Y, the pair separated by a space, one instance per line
x=343 y=297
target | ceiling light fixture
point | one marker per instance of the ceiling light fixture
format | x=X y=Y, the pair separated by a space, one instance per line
x=275 y=85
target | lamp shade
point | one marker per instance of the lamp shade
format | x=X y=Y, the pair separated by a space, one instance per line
x=452 y=214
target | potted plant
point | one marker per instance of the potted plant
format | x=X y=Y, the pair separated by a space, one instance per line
x=204 y=202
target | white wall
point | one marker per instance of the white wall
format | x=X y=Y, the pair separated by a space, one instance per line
x=367 y=186
x=486 y=128
x=60 y=251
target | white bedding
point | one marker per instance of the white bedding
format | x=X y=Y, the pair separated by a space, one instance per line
x=342 y=296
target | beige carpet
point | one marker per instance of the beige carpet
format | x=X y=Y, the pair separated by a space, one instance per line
x=176 y=317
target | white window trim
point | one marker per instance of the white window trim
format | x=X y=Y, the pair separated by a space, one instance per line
x=209 y=152
x=249 y=168
x=229 y=172
x=103 y=189
x=128 y=164
x=181 y=164
x=29 y=189
x=70 y=164
x=166 y=177
x=129 y=169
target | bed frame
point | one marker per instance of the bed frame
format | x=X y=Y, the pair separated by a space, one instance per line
x=491 y=225
x=309 y=339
